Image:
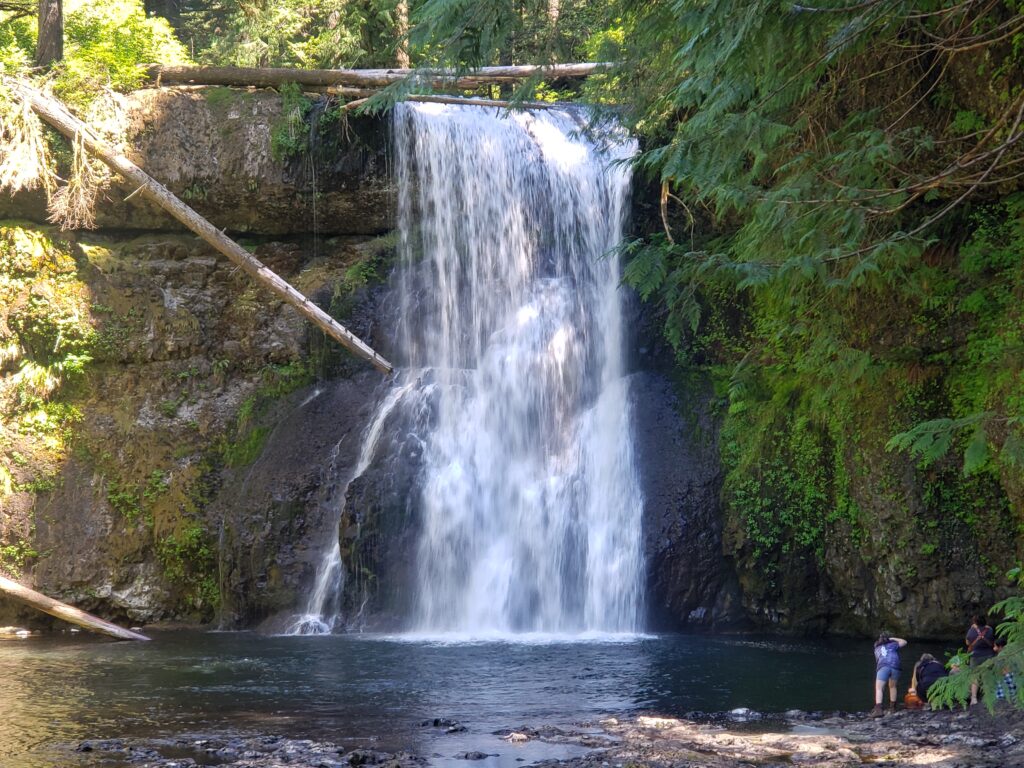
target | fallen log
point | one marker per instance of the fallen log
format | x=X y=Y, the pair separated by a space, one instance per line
x=273 y=77
x=57 y=115
x=482 y=102
x=471 y=102
x=64 y=611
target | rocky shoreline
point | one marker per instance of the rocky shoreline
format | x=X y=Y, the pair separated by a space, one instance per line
x=741 y=738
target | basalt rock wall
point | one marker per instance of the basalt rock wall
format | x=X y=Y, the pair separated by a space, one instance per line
x=193 y=449
x=163 y=421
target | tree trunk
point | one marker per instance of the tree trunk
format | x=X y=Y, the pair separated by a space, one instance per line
x=50 y=42
x=169 y=9
x=64 y=611
x=481 y=102
x=54 y=113
x=554 y=7
x=273 y=77
x=402 y=33
x=462 y=101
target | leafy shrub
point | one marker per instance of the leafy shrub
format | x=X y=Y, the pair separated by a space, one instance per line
x=17 y=40
x=290 y=135
x=991 y=675
x=107 y=43
x=304 y=33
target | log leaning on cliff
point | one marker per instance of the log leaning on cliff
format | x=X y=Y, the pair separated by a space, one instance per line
x=57 y=115
x=64 y=611
x=273 y=77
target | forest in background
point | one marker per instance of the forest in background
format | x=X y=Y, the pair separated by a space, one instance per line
x=836 y=254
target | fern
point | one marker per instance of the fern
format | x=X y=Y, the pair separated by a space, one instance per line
x=955 y=690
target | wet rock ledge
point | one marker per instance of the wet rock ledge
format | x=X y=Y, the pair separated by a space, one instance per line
x=738 y=739
x=936 y=739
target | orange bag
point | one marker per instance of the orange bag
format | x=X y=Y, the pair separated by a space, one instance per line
x=912 y=700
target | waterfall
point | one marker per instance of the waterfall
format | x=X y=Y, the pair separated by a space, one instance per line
x=509 y=295
x=322 y=606
x=511 y=382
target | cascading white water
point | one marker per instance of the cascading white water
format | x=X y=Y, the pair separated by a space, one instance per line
x=321 y=611
x=531 y=504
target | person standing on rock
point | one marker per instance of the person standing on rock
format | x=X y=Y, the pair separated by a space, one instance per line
x=887 y=670
x=981 y=642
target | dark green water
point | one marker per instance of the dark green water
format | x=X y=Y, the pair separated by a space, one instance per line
x=363 y=691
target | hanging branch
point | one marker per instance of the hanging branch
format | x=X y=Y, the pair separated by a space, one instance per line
x=16 y=9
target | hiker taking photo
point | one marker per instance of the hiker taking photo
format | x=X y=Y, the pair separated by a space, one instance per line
x=887 y=670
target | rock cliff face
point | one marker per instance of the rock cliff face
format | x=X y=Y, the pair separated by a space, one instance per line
x=688 y=580
x=201 y=451
x=164 y=421
x=176 y=445
x=214 y=148
x=894 y=546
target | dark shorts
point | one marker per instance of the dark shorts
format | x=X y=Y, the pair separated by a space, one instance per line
x=887 y=673
x=977 y=660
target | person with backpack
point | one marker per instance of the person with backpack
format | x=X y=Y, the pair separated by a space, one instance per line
x=927 y=670
x=981 y=642
x=887 y=670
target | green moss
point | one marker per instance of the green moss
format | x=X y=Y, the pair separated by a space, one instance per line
x=189 y=560
x=46 y=331
x=115 y=334
x=124 y=499
x=247 y=438
x=371 y=268
x=246 y=449
x=157 y=485
x=15 y=556
x=39 y=484
x=281 y=380
x=289 y=136
x=169 y=408
x=220 y=98
x=780 y=487
x=196 y=191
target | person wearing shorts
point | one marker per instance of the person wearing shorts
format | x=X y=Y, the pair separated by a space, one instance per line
x=887 y=670
x=981 y=640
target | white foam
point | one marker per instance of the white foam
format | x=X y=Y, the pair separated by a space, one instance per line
x=530 y=502
x=512 y=638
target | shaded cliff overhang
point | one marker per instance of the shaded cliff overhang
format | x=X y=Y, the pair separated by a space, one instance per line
x=213 y=148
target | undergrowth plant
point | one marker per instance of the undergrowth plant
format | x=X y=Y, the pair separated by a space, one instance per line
x=107 y=46
x=994 y=676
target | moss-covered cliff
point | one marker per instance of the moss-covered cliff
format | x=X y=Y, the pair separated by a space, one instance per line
x=830 y=523
x=141 y=376
x=838 y=249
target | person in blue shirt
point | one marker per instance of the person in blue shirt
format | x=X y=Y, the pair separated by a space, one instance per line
x=887 y=670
